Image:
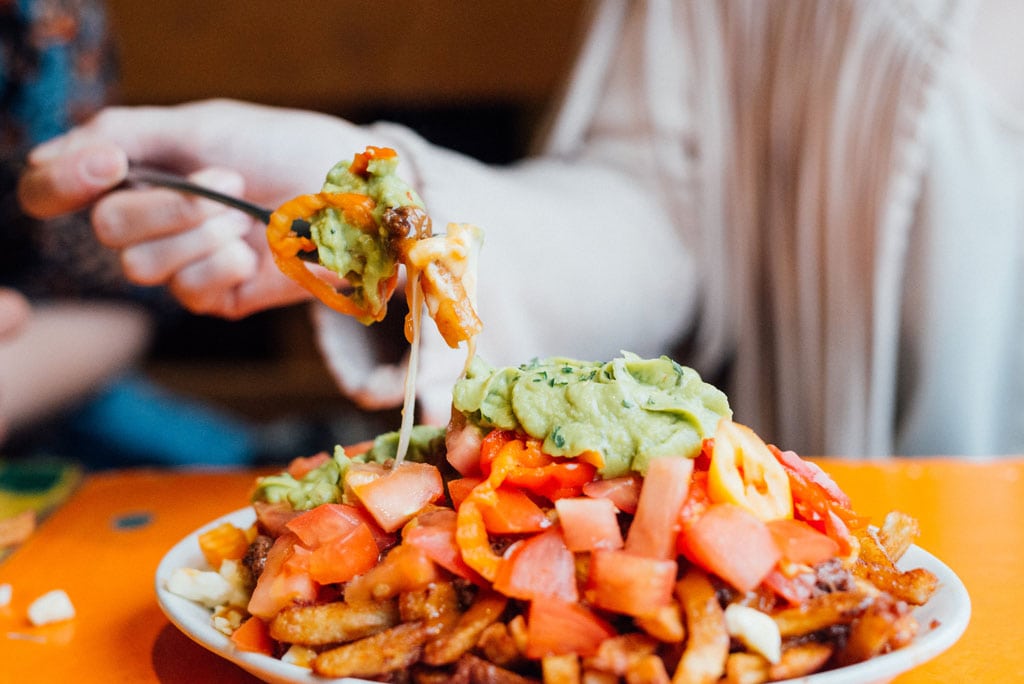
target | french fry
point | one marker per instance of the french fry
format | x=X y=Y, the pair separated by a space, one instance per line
x=436 y=604
x=897 y=533
x=746 y=668
x=819 y=612
x=498 y=645
x=449 y=646
x=885 y=625
x=664 y=624
x=648 y=669
x=471 y=668
x=707 y=643
x=332 y=623
x=615 y=653
x=800 y=660
x=560 y=669
x=396 y=648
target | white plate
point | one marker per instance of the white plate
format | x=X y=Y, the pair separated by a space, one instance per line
x=942 y=621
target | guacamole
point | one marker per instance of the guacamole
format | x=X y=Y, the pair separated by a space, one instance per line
x=323 y=484
x=630 y=409
x=362 y=257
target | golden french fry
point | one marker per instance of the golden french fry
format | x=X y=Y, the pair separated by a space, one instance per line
x=598 y=677
x=436 y=605
x=887 y=624
x=471 y=668
x=897 y=533
x=707 y=643
x=664 y=624
x=819 y=612
x=332 y=623
x=560 y=669
x=648 y=669
x=615 y=653
x=497 y=644
x=393 y=649
x=449 y=646
x=800 y=660
x=746 y=668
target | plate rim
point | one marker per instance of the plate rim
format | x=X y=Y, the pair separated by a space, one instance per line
x=188 y=618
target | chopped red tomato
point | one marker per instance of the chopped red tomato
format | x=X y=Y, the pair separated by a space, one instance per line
x=272 y=517
x=341 y=544
x=254 y=636
x=557 y=627
x=812 y=472
x=733 y=543
x=697 y=499
x=795 y=589
x=433 y=533
x=404 y=491
x=459 y=489
x=538 y=567
x=625 y=583
x=301 y=466
x=285 y=578
x=623 y=491
x=800 y=543
x=655 y=526
x=589 y=524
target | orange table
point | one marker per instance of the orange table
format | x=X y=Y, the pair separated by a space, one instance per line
x=972 y=514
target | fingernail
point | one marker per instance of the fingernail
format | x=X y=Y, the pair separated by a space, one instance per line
x=103 y=167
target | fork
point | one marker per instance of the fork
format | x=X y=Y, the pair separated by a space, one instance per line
x=141 y=175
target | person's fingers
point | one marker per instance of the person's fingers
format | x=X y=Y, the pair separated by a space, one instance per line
x=130 y=217
x=156 y=261
x=60 y=184
x=14 y=311
x=208 y=286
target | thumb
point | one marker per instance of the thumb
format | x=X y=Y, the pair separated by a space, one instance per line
x=62 y=177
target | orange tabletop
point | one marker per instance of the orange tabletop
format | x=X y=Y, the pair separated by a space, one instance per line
x=103 y=546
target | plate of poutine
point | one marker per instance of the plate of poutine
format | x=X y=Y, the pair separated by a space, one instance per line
x=942 y=620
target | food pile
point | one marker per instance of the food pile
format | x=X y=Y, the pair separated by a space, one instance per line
x=539 y=538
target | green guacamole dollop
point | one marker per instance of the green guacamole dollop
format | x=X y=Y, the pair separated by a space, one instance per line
x=363 y=258
x=324 y=484
x=629 y=409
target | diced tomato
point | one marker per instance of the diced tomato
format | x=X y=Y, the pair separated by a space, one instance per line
x=801 y=543
x=433 y=533
x=589 y=524
x=459 y=489
x=812 y=472
x=514 y=513
x=623 y=491
x=285 y=578
x=301 y=466
x=655 y=526
x=623 y=582
x=795 y=589
x=744 y=472
x=358 y=474
x=558 y=627
x=399 y=495
x=462 y=443
x=538 y=567
x=733 y=543
x=345 y=557
x=272 y=517
x=697 y=499
x=324 y=523
x=405 y=568
x=253 y=636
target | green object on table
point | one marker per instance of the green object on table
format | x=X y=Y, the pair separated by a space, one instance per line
x=39 y=484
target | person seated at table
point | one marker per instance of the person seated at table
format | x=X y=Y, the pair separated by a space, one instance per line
x=815 y=204
x=70 y=379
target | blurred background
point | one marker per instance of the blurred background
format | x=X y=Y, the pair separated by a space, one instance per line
x=472 y=75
